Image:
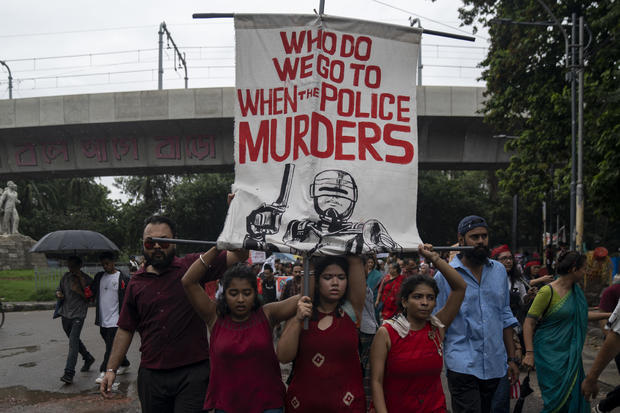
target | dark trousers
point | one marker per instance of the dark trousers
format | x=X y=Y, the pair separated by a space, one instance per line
x=73 y=329
x=611 y=401
x=469 y=394
x=501 y=398
x=179 y=390
x=108 y=333
x=365 y=340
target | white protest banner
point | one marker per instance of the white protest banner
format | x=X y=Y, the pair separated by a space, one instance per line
x=326 y=149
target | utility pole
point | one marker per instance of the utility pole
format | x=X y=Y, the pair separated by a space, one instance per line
x=412 y=22
x=515 y=217
x=3 y=63
x=160 y=78
x=580 y=202
x=573 y=128
x=572 y=75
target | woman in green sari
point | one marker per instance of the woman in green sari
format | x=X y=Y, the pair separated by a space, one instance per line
x=561 y=311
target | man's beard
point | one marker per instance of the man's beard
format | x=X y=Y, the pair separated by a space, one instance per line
x=158 y=262
x=478 y=256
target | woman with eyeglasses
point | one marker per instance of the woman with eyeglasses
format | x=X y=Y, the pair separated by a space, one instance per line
x=554 y=333
x=521 y=292
x=532 y=273
x=521 y=297
x=245 y=374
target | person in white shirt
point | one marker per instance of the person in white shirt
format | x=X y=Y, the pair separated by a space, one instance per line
x=109 y=291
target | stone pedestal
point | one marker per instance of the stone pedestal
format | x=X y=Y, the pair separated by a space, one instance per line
x=14 y=253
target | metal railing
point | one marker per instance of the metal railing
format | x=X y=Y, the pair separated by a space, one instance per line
x=48 y=278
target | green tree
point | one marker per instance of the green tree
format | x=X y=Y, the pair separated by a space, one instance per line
x=198 y=204
x=57 y=204
x=528 y=95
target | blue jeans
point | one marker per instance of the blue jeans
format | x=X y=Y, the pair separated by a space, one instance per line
x=73 y=329
x=501 y=398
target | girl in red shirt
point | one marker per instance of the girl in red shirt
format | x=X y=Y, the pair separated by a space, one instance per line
x=327 y=374
x=406 y=356
x=241 y=350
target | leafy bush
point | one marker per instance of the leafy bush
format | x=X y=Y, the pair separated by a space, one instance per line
x=44 y=294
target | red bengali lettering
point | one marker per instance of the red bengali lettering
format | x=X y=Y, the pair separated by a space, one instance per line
x=122 y=146
x=29 y=149
x=53 y=150
x=168 y=148
x=95 y=148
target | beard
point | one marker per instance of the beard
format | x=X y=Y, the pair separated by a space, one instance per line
x=158 y=259
x=478 y=256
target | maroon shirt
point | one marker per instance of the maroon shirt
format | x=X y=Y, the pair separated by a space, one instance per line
x=609 y=299
x=172 y=333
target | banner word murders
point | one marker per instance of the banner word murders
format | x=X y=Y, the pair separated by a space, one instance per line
x=325 y=136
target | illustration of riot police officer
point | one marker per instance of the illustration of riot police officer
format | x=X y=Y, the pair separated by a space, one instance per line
x=334 y=194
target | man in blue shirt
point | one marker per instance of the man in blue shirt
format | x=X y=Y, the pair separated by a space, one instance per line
x=478 y=343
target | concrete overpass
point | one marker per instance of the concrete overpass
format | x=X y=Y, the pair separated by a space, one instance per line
x=191 y=130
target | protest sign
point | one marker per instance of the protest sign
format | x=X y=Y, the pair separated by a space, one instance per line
x=326 y=157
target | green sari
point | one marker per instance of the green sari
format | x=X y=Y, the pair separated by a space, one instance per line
x=558 y=344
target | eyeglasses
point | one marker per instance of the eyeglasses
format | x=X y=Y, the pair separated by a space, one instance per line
x=149 y=244
x=508 y=258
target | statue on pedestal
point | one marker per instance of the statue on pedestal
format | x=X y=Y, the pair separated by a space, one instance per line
x=8 y=210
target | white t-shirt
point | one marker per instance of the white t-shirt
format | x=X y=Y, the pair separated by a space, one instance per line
x=613 y=323
x=108 y=299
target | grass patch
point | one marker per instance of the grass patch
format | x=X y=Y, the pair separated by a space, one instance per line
x=20 y=285
x=17 y=274
x=44 y=294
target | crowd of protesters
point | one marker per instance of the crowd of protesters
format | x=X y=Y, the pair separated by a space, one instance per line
x=379 y=329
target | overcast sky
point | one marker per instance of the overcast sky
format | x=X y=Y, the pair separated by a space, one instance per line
x=82 y=46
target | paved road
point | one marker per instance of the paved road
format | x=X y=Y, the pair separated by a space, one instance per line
x=33 y=349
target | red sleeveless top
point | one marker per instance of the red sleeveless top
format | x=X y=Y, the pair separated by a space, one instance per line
x=328 y=375
x=245 y=373
x=412 y=382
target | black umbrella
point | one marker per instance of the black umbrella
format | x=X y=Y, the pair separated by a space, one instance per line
x=62 y=244
x=526 y=390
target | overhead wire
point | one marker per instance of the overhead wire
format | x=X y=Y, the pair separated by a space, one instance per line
x=69 y=71
x=428 y=19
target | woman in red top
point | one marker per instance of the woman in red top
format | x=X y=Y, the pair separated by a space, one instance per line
x=241 y=350
x=388 y=292
x=327 y=374
x=406 y=356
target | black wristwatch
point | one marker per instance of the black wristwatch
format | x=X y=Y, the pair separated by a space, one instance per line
x=513 y=359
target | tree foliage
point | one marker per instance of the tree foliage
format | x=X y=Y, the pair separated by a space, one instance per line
x=445 y=197
x=196 y=202
x=528 y=95
x=57 y=204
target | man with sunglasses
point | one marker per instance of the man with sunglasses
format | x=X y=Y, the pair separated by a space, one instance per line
x=478 y=343
x=174 y=365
